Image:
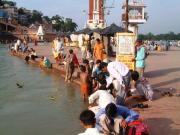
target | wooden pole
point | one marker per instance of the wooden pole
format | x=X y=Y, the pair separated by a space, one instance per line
x=127 y=15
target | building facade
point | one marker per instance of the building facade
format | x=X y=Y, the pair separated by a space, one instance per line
x=96 y=14
x=12 y=12
x=136 y=15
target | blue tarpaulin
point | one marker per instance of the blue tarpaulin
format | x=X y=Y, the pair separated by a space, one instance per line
x=3 y=14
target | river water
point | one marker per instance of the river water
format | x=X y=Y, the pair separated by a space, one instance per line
x=31 y=110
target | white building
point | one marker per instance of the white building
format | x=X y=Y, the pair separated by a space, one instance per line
x=136 y=16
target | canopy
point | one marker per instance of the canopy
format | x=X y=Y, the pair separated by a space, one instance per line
x=98 y=30
x=112 y=29
x=84 y=31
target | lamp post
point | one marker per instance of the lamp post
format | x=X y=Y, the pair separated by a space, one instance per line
x=127 y=16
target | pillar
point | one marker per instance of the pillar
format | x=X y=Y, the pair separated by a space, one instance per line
x=96 y=14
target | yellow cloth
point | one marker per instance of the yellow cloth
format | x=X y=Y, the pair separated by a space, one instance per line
x=55 y=54
x=159 y=48
x=98 y=51
x=42 y=63
x=54 y=45
x=104 y=56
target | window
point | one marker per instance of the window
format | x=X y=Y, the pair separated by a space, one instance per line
x=96 y=5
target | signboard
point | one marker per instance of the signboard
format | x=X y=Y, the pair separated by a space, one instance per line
x=126 y=49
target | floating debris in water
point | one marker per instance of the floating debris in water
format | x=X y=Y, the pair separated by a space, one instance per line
x=52 y=98
x=19 y=86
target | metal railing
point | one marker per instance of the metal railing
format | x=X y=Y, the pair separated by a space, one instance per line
x=133 y=17
x=8 y=22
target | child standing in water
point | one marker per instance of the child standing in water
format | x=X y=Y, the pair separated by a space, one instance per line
x=84 y=77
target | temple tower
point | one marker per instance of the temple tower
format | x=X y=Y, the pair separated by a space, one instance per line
x=96 y=14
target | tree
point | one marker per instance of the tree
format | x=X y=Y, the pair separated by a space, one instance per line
x=10 y=3
x=150 y=36
x=36 y=17
x=63 y=25
x=58 y=23
x=171 y=35
x=178 y=36
x=21 y=11
x=69 y=25
x=141 y=37
x=168 y=36
x=47 y=19
x=1 y=3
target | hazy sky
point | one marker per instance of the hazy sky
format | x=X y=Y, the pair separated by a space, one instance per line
x=164 y=15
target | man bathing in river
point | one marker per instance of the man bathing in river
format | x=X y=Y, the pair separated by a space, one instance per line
x=84 y=82
x=45 y=62
x=71 y=62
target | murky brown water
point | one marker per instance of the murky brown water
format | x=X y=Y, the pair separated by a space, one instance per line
x=30 y=110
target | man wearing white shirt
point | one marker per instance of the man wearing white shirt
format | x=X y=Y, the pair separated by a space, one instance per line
x=19 y=42
x=60 y=49
x=59 y=46
x=88 y=121
x=102 y=95
x=118 y=71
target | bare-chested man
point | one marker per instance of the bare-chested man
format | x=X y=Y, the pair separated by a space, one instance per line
x=84 y=82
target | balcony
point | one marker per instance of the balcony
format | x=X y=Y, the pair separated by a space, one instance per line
x=136 y=19
x=134 y=4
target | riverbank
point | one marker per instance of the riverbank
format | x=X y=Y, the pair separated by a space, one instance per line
x=55 y=67
x=163 y=71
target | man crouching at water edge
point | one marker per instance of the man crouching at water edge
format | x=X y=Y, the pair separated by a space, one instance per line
x=88 y=121
x=45 y=62
x=110 y=119
x=118 y=71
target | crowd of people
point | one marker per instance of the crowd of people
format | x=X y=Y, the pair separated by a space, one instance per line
x=108 y=86
x=29 y=52
x=158 y=45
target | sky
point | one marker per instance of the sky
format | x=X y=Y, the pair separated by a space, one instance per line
x=164 y=15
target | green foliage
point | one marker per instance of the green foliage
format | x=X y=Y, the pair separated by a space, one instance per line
x=10 y=3
x=36 y=17
x=47 y=19
x=21 y=11
x=168 y=36
x=1 y=3
x=63 y=24
x=69 y=25
x=60 y=24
